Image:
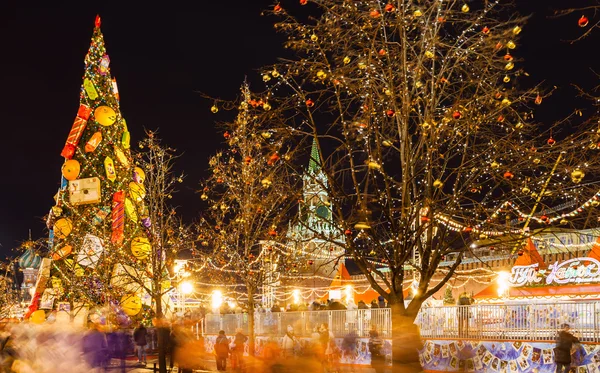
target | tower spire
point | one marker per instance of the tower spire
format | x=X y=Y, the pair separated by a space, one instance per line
x=314 y=164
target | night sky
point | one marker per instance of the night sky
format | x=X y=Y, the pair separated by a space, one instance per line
x=161 y=57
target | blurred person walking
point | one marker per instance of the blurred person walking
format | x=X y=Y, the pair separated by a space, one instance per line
x=289 y=343
x=95 y=347
x=221 y=351
x=140 y=335
x=562 y=351
x=376 y=349
x=237 y=351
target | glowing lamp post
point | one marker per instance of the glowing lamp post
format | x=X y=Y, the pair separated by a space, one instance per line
x=216 y=300
x=503 y=284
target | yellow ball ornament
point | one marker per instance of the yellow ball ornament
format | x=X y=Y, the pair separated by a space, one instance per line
x=62 y=228
x=131 y=304
x=140 y=247
x=465 y=8
x=214 y=109
x=38 y=317
x=70 y=169
x=511 y=45
x=105 y=115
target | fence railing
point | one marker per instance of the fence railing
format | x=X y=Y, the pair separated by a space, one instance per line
x=536 y=321
x=304 y=323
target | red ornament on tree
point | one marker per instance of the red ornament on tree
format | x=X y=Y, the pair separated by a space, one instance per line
x=310 y=103
x=272 y=233
x=348 y=232
x=583 y=21
x=485 y=30
x=303 y=2
x=381 y=52
x=508 y=175
x=389 y=8
x=311 y=262
x=273 y=158
x=508 y=57
x=538 y=100
x=375 y=13
x=456 y=114
x=248 y=160
x=277 y=8
x=390 y=113
x=551 y=141
x=226 y=135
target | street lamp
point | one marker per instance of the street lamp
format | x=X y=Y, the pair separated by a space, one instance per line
x=216 y=299
x=503 y=284
x=186 y=287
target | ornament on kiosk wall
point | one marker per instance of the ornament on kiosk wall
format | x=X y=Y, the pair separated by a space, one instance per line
x=70 y=169
x=89 y=89
x=131 y=304
x=130 y=210
x=137 y=191
x=62 y=252
x=62 y=228
x=90 y=252
x=105 y=115
x=84 y=191
x=139 y=175
x=109 y=167
x=140 y=247
x=93 y=142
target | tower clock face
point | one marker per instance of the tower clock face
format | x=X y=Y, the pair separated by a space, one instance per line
x=323 y=212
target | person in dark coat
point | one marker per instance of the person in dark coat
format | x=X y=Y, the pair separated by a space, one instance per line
x=374 y=304
x=237 y=350
x=362 y=305
x=221 y=351
x=381 y=301
x=140 y=335
x=376 y=349
x=562 y=351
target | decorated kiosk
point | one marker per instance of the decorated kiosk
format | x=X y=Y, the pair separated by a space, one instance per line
x=512 y=326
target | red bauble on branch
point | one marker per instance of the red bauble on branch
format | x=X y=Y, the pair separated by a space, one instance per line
x=310 y=103
x=583 y=21
x=389 y=8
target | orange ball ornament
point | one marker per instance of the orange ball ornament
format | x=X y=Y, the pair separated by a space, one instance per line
x=70 y=169
x=389 y=8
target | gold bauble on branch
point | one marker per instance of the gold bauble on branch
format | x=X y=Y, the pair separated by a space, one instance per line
x=214 y=109
x=577 y=175
x=438 y=183
x=511 y=44
x=465 y=8
x=516 y=30
x=362 y=225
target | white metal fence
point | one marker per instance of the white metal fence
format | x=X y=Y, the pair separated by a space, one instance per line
x=534 y=321
x=304 y=323
x=538 y=321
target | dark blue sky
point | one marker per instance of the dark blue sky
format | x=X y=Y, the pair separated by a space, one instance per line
x=161 y=57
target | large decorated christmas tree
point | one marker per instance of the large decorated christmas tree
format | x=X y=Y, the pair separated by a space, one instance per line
x=98 y=220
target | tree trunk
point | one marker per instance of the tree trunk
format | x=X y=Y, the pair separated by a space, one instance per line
x=406 y=340
x=162 y=345
x=251 y=334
